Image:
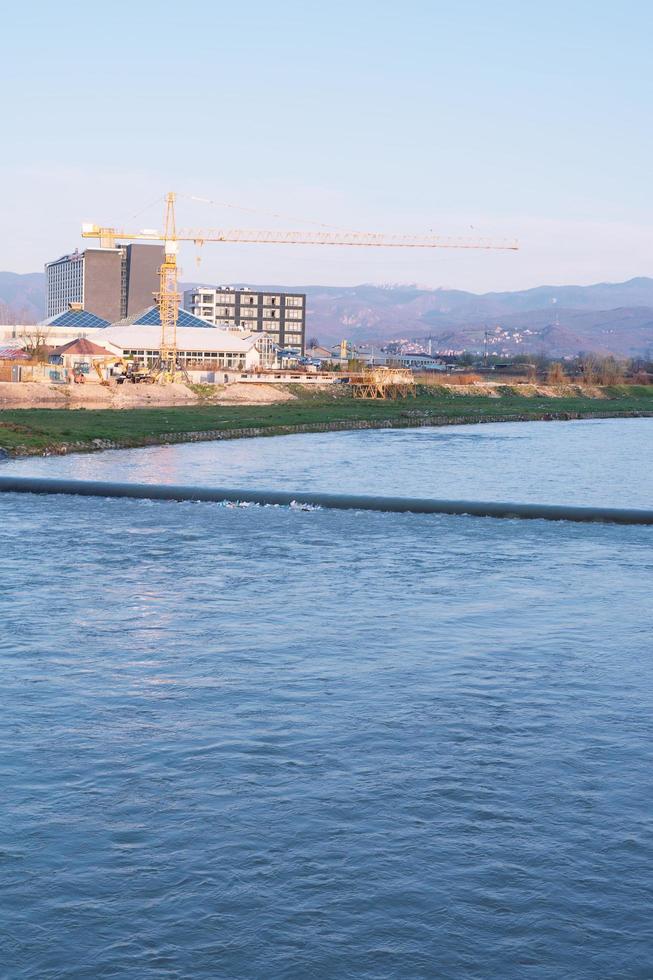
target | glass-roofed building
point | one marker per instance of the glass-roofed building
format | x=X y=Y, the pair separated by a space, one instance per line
x=71 y=324
x=151 y=318
x=76 y=319
x=199 y=342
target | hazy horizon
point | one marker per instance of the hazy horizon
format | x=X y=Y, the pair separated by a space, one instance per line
x=199 y=283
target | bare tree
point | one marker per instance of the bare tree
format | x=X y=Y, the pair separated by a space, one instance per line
x=589 y=367
x=597 y=370
x=611 y=371
x=6 y=314
x=556 y=374
x=35 y=342
x=12 y=317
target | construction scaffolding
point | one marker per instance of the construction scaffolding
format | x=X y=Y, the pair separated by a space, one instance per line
x=384 y=383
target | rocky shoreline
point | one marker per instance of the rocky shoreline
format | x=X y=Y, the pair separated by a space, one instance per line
x=408 y=421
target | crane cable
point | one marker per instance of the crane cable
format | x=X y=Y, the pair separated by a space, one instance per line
x=270 y=214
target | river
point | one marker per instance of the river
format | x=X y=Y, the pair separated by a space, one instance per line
x=268 y=742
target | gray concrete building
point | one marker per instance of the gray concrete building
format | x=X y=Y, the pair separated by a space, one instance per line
x=112 y=283
x=280 y=315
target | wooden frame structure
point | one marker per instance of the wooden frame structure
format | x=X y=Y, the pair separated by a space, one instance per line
x=383 y=383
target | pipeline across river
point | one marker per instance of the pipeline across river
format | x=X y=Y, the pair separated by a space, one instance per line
x=339 y=501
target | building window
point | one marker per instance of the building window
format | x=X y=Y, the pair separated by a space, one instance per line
x=294 y=314
x=294 y=301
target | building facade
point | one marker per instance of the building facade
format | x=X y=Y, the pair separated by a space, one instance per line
x=197 y=347
x=141 y=276
x=112 y=283
x=282 y=316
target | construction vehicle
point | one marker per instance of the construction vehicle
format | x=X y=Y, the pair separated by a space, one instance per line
x=137 y=376
x=130 y=373
x=98 y=371
x=168 y=297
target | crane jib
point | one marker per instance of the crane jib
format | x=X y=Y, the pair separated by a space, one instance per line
x=271 y=237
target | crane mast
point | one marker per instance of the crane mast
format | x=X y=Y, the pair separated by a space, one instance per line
x=169 y=296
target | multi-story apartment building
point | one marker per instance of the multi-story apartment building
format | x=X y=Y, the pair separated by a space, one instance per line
x=280 y=315
x=112 y=283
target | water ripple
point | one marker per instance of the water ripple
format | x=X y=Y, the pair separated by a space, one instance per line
x=267 y=743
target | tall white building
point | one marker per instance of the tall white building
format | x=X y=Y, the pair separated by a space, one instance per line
x=65 y=283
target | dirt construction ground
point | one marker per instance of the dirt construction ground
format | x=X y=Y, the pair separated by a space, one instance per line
x=30 y=394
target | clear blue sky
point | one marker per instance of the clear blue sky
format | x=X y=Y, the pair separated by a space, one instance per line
x=487 y=117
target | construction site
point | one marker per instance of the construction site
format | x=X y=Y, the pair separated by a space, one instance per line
x=98 y=337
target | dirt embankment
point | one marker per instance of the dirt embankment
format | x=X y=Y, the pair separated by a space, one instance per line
x=33 y=395
x=495 y=389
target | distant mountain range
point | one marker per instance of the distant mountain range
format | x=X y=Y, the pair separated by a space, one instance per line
x=22 y=296
x=614 y=318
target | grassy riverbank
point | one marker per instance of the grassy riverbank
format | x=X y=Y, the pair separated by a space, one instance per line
x=36 y=431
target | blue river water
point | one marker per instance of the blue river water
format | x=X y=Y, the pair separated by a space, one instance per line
x=261 y=742
x=605 y=461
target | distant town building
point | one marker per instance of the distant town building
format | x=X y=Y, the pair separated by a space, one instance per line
x=282 y=316
x=319 y=354
x=416 y=362
x=111 y=283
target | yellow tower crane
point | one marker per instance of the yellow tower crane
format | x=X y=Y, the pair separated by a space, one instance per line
x=169 y=297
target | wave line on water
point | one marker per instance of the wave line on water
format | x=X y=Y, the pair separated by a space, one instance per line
x=339 y=501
